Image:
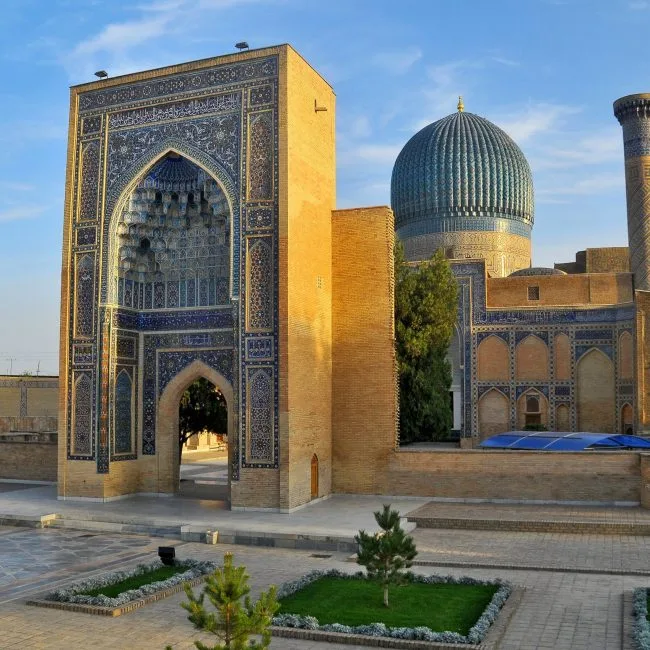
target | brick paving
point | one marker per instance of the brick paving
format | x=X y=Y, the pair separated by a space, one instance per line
x=558 y=610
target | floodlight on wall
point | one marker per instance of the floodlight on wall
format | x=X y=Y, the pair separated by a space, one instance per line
x=167 y=555
x=102 y=74
x=242 y=45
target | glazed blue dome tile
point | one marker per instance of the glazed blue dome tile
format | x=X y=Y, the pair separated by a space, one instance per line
x=462 y=173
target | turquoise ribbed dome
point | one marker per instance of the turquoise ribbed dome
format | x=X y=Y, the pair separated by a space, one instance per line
x=461 y=173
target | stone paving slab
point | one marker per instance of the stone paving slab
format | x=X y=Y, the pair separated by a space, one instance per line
x=558 y=610
x=531 y=512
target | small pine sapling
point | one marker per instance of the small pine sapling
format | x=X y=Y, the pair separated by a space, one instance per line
x=232 y=622
x=386 y=553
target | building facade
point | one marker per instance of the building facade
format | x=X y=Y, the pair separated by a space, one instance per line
x=201 y=239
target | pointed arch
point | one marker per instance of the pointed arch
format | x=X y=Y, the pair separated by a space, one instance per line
x=493 y=413
x=562 y=357
x=627 y=419
x=493 y=359
x=625 y=356
x=562 y=418
x=531 y=359
x=167 y=421
x=532 y=409
x=596 y=390
x=118 y=196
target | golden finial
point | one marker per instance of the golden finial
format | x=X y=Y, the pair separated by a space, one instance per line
x=460 y=106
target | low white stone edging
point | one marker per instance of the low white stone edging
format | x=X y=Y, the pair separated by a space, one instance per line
x=71 y=597
x=383 y=635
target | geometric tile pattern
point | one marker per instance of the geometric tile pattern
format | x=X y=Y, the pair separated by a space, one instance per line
x=598 y=328
x=205 y=117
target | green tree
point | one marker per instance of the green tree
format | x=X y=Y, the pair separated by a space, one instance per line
x=386 y=553
x=202 y=408
x=232 y=622
x=426 y=298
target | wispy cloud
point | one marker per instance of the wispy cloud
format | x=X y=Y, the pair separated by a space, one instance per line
x=535 y=119
x=380 y=154
x=118 y=45
x=17 y=187
x=14 y=213
x=398 y=61
x=638 y=5
x=568 y=149
x=593 y=184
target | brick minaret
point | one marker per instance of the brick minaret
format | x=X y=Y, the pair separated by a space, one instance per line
x=633 y=112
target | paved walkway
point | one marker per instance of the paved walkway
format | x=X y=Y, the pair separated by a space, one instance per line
x=340 y=516
x=558 y=610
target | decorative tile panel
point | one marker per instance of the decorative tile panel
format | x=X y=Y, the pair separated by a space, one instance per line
x=84 y=315
x=260 y=283
x=259 y=348
x=260 y=156
x=89 y=180
x=82 y=414
x=260 y=420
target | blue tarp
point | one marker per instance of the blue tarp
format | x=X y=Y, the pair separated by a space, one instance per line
x=563 y=441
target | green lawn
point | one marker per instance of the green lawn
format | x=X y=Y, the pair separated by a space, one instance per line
x=155 y=575
x=440 y=607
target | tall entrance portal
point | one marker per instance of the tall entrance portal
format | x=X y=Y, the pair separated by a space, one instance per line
x=198 y=242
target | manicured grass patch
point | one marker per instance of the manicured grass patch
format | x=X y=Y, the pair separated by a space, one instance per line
x=440 y=607
x=135 y=582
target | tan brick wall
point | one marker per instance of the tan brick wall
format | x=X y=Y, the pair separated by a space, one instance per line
x=9 y=401
x=42 y=401
x=531 y=359
x=33 y=461
x=559 y=290
x=364 y=379
x=493 y=359
x=307 y=171
x=560 y=476
x=613 y=259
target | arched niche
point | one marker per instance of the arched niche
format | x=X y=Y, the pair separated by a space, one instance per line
x=532 y=409
x=493 y=359
x=531 y=359
x=562 y=418
x=562 y=357
x=493 y=413
x=596 y=389
x=625 y=356
x=627 y=419
x=170 y=244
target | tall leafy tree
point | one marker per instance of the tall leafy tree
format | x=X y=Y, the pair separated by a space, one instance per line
x=202 y=408
x=386 y=553
x=426 y=298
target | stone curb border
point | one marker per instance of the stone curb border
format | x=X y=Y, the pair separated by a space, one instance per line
x=122 y=609
x=448 y=564
x=531 y=567
x=494 y=634
x=534 y=526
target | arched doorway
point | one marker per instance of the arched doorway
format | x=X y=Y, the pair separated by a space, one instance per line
x=167 y=423
x=314 y=476
x=203 y=442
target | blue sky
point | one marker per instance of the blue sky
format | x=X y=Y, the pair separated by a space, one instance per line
x=547 y=71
